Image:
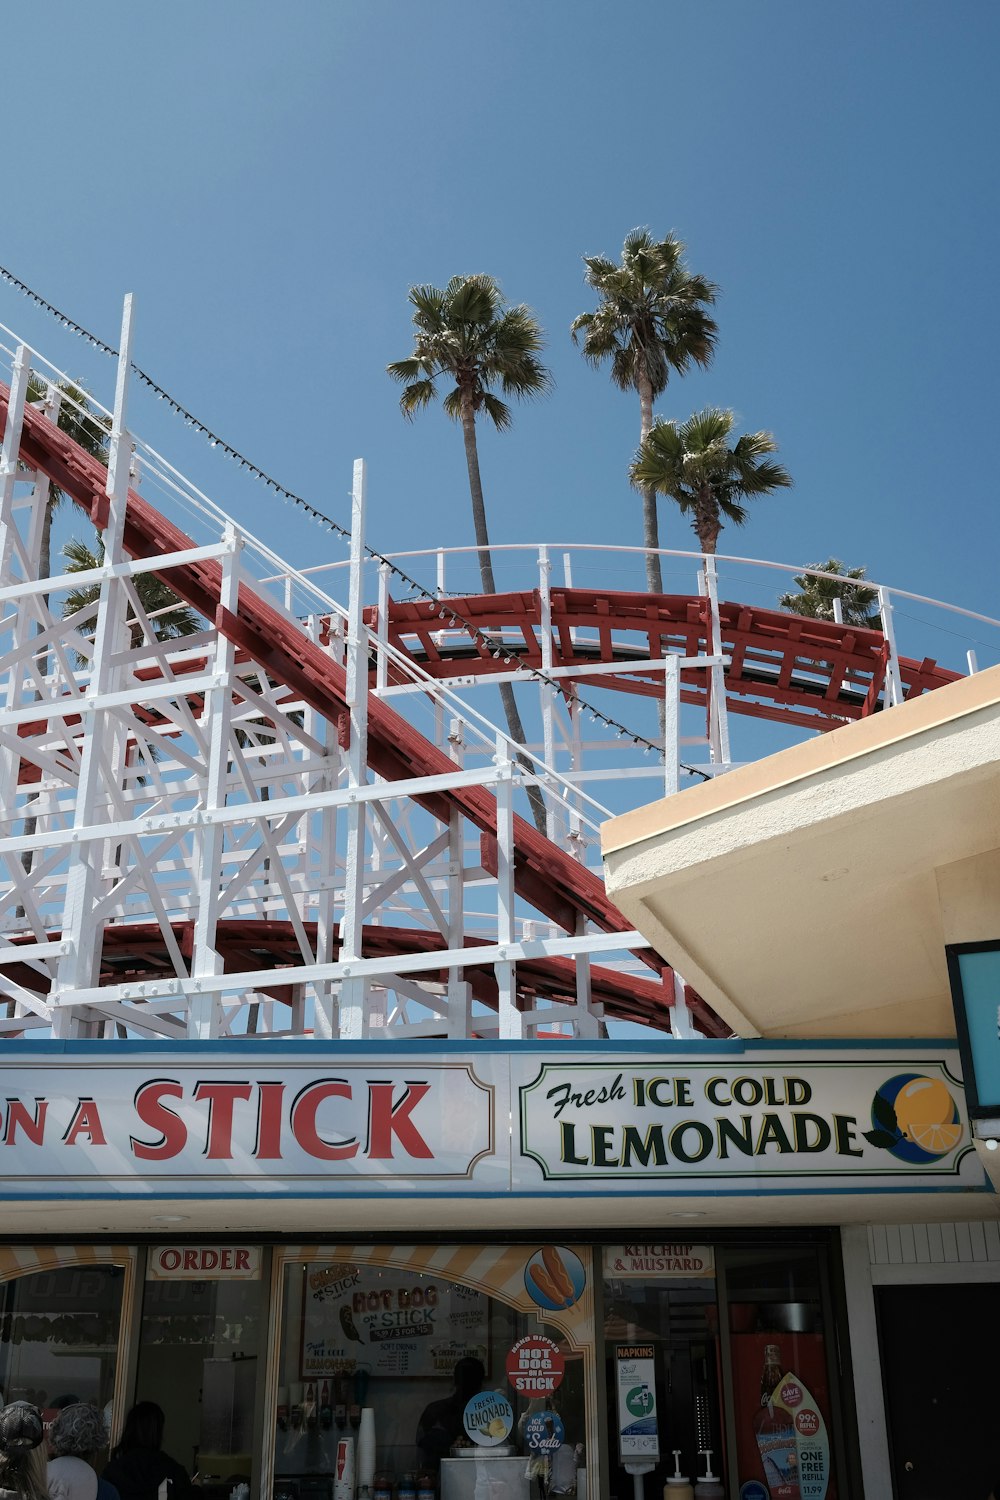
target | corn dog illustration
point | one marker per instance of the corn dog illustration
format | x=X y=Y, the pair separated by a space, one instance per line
x=558 y=1274
x=546 y=1285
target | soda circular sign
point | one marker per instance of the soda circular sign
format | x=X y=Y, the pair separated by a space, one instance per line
x=535 y=1366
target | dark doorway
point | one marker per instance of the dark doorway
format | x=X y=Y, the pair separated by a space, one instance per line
x=942 y=1389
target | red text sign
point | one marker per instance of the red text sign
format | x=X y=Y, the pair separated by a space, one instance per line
x=203 y=1263
x=535 y=1366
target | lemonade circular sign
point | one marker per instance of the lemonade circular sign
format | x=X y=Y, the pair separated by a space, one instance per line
x=488 y=1418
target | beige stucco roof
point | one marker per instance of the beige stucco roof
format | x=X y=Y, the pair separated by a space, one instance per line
x=811 y=893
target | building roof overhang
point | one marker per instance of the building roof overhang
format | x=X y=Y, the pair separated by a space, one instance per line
x=811 y=894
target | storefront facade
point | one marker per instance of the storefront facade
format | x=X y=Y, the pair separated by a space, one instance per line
x=299 y=1251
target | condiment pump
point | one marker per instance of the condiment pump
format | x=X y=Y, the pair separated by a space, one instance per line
x=709 y=1486
x=678 y=1486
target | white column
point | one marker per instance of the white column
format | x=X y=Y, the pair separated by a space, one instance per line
x=873 y=1437
x=79 y=968
x=671 y=726
x=352 y=990
x=718 y=711
x=548 y=694
x=893 y=682
x=459 y=991
x=508 y=1016
x=203 y=1011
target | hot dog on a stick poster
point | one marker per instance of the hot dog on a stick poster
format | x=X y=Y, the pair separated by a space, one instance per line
x=390 y=1323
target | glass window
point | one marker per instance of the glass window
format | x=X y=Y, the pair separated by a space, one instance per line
x=424 y=1385
x=198 y=1359
x=661 y=1332
x=59 y=1336
x=781 y=1398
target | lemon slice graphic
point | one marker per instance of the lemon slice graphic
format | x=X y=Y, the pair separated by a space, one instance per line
x=936 y=1139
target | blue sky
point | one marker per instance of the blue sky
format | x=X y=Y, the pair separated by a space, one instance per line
x=269 y=181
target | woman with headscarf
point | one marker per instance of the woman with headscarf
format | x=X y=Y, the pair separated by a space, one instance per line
x=76 y=1437
x=22 y=1467
x=138 y=1465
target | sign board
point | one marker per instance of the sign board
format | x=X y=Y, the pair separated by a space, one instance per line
x=774 y=1123
x=535 y=1366
x=658 y=1262
x=203 y=1263
x=635 y=1382
x=974 y=971
x=488 y=1418
x=237 y=1122
x=231 y=1120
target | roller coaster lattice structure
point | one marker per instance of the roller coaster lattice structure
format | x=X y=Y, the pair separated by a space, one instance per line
x=295 y=822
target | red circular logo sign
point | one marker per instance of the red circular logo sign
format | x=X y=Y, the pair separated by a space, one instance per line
x=807 y=1422
x=535 y=1367
x=791 y=1394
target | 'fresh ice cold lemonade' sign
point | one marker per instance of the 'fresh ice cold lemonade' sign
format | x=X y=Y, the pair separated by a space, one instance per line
x=775 y=1122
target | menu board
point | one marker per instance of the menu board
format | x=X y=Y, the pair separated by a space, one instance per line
x=388 y=1322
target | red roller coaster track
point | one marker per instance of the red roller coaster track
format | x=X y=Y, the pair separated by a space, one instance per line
x=804 y=672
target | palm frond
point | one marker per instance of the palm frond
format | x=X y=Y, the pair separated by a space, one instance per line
x=498 y=411
x=416 y=396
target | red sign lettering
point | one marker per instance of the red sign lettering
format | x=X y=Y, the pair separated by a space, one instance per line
x=173 y=1131
x=387 y=1120
x=86 y=1121
x=303 y=1121
x=221 y=1098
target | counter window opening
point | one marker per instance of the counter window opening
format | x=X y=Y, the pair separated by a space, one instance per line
x=397 y=1367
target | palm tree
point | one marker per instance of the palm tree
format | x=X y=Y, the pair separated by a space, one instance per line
x=696 y=465
x=169 y=617
x=858 y=606
x=652 y=321
x=88 y=429
x=468 y=334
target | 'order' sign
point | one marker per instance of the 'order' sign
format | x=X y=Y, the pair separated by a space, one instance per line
x=203 y=1263
x=535 y=1366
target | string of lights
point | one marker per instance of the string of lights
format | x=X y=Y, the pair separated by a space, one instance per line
x=452 y=617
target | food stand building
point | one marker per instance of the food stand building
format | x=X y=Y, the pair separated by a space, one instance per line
x=315 y=1098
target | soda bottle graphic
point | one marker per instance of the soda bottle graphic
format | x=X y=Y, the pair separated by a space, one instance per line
x=775 y=1433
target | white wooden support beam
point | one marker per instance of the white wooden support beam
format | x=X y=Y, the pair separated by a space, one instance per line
x=10 y=758
x=548 y=694
x=681 y=1024
x=101 y=752
x=671 y=726
x=352 y=991
x=9 y=458
x=382 y=632
x=718 y=709
x=587 y=1024
x=893 y=681
x=207 y=873
x=504 y=968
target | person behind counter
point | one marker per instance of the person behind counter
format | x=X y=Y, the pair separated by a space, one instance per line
x=22 y=1464
x=138 y=1465
x=76 y=1437
x=441 y=1422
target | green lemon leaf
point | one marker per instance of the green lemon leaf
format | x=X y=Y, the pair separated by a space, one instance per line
x=883 y=1114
